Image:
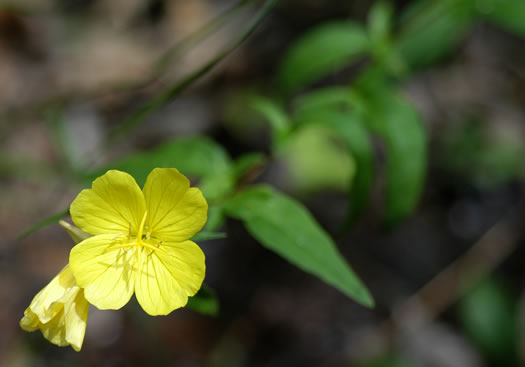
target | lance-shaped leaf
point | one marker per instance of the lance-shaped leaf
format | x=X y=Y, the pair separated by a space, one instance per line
x=331 y=97
x=433 y=28
x=284 y=226
x=274 y=115
x=388 y=115
x=403 y=133
x=320 y=52
x=43 y=223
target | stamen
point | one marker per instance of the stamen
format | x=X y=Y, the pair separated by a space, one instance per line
x=122 y=245
x=154 y=248
x=139 y=245
x=116 y=236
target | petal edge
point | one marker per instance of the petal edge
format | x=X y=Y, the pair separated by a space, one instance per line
x=114 y=201
x=168 y=279
x=176 y=212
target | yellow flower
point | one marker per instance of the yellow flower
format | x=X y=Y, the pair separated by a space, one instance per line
x=60 y=311
x=141 y=241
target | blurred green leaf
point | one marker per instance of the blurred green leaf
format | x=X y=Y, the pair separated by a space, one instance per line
x=247 y=162
x=322 y=51
x=275 y=115
x=198 y=157
x=205 y=301
x=332 y=97
x=406 y=157
x=380 y=20
x=317 y=159
x=355 y=135
x=433 y=29
x=216 y=185
x=489 y=317
x=215 y=218
x=508 y=14
x=43 y=223
x=379 y=31
x=284 y=226
x=396 y=121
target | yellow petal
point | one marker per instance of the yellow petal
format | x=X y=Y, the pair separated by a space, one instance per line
x=60 y=311
x=68 y=327
x=41 y=305
x=30 y=321
x=76 y=315
x=175 y=211
x=105 y=274
x=169 y=276
x=113 y=202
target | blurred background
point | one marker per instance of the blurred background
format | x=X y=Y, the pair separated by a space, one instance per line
x=87 y=85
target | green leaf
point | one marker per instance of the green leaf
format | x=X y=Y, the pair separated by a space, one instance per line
x=380 y=21
x=275 y=115
x=396 y=121
x=215 y=218
x=508 y=14
x=333 y=97
x=379 y=31
x=320 y=52
x=205 y=301
x=406 y=158
x=433 y=30
x=317 y=159
x=198 y=157
x=247 y=163
x=43 y=223
x=489 y=317
x=284 y=226
x=355 y=135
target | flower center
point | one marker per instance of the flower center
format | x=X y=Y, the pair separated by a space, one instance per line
x=141 y=229
x=139 y=242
